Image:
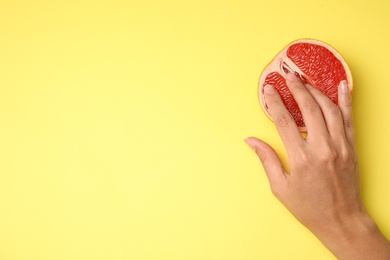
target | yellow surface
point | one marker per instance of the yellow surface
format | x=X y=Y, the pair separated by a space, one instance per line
x=122 y=125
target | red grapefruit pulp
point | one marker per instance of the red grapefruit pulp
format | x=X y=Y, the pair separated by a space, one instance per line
x=313 y=62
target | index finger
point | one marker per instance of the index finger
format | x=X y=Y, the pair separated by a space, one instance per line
x=310 y=109
x=284 y=122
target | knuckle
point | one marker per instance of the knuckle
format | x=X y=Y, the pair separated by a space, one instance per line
x=284 y=120
x=274 y=102
x=302 y=158
x=346 y=103
x=328 y=155
x=311 y=107
x=347 y=156
x=335 y=111
x=348 y=123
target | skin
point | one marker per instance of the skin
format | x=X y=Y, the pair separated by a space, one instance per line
x=322 y=189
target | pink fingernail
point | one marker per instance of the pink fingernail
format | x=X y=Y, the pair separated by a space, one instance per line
x=344 y=87
x=250 y=143
x=291 y=77
x=268 y=89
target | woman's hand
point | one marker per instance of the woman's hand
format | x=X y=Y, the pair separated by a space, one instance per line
x=322 y=189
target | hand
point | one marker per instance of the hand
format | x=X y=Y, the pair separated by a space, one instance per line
x=322 y=189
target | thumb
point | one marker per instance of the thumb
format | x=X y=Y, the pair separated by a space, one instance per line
x=271 y=163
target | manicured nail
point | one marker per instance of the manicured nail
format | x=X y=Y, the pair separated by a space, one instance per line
x=291 y=77
x=269 y=89
x=344 y=87
x=250 y=143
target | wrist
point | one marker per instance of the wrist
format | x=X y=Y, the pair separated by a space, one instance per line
x=357 y=237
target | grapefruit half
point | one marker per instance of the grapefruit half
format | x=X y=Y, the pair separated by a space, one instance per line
x=313 y=62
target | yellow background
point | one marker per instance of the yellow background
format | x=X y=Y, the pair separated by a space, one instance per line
x=122 y=125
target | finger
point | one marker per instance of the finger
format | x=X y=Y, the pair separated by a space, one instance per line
x=272 y=165
x=310 y=109
x=331 y=113
x=345 y=105
x=285 y=124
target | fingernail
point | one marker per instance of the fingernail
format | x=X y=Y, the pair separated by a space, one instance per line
x=344 y=87
x=251 y=144
x=269 y=89
x=291 y=77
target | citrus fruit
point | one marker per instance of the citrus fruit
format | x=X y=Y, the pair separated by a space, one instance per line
x=313 y=62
